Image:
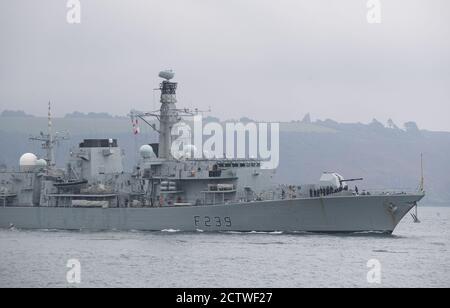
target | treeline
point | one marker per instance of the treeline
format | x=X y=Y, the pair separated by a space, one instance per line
x=15 y=113
x=91 y=115
x=75 y=114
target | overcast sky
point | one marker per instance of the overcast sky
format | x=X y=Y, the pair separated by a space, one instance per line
x=269 y=60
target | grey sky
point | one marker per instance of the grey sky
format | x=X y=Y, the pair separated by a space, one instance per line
x=269 y=60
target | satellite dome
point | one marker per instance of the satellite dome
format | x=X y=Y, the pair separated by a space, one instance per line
x=27 y=162
x=167 y=74
x=41 y=163
x=146 y=151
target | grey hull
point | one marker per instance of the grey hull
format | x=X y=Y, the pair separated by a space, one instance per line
x=379 y=213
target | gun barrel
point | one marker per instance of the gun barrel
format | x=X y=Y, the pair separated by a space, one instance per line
x=352 y=180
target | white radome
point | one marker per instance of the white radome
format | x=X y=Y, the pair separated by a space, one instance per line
x=146 y=151
x=27 y=162
x=41 y=163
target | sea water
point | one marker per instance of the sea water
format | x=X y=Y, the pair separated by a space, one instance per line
x=416 y=255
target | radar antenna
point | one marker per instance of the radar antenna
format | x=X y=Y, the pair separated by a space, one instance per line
x=168 y=115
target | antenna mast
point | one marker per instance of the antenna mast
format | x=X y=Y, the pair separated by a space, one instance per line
x=49 y=140
x=422 y=188
x=50 y=153
x=415 y=216
x=167 y=116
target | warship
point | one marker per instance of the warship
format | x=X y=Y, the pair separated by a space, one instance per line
x=166 y=192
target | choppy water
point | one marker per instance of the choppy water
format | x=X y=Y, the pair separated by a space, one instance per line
x=417 y=255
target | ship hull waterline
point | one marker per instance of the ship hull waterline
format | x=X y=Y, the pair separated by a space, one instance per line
x=370 y=213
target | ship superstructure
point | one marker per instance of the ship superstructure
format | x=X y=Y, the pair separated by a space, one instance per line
x=186 y=192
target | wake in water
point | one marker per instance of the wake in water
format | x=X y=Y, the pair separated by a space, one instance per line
x=170 y=230
x=252 y=232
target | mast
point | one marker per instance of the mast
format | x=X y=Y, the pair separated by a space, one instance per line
x=50 y=152
x=49 y=140
x=168 y=113
x=422 y=188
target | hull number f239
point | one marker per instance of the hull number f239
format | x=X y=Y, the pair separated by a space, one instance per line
x=212 y=221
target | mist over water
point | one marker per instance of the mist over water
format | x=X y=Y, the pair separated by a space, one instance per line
x=267 y=60
x=417 y=255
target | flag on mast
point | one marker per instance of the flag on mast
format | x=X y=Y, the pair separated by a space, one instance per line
x=135 y=123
